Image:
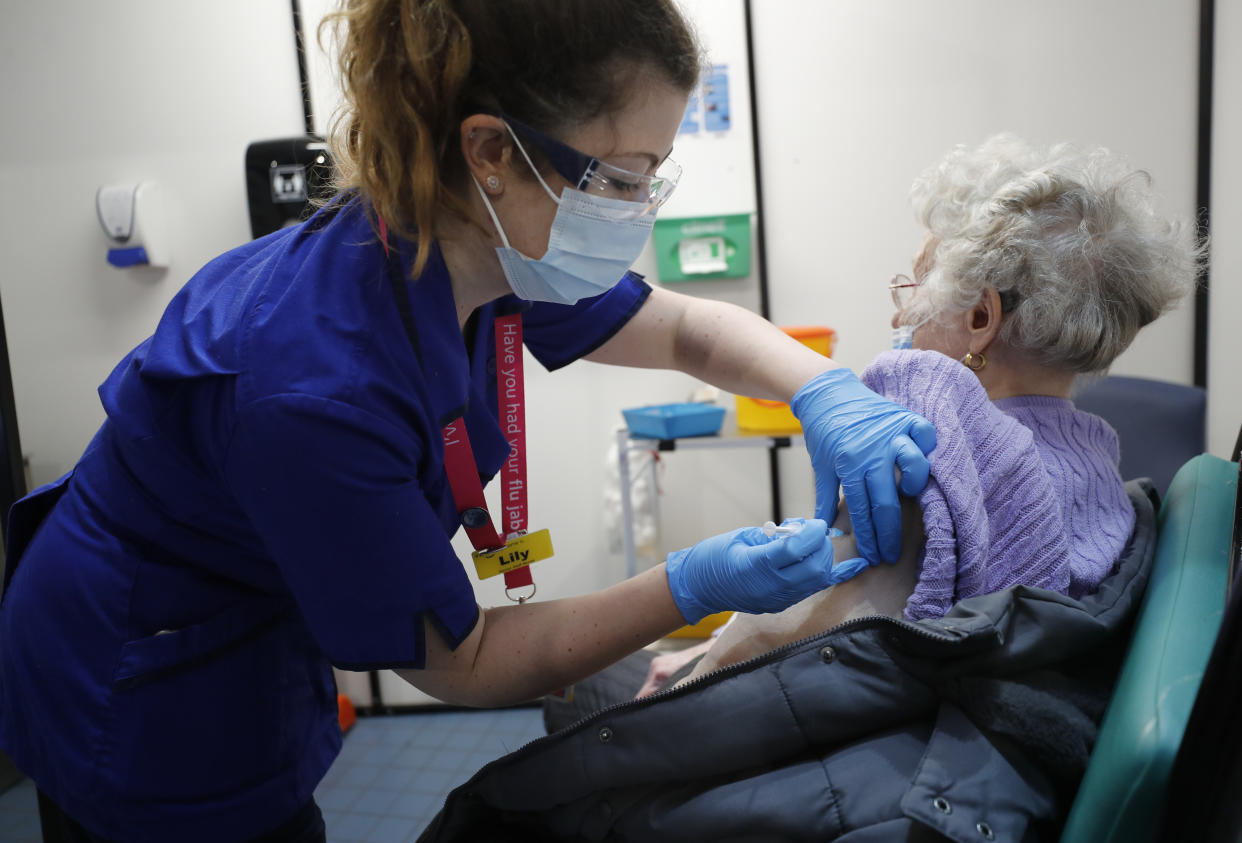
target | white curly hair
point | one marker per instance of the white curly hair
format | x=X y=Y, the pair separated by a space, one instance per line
x=1073 y=235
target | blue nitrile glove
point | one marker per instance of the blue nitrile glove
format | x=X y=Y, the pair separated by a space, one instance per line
x=749 y=572
x=855 y=436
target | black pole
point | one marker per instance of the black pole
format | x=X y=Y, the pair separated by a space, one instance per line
x=303 y=81
x=13 y=484
x=761 y=252
x=1203 y=204
x=12 y=465
x=377 y=696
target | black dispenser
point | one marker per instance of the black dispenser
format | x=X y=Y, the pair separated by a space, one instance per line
x=284 y=178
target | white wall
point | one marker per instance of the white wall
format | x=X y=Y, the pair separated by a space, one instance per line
x=97 y=93
x=1225 y=305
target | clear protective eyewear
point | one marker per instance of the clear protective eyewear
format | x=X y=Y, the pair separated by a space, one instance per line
x=646 y=191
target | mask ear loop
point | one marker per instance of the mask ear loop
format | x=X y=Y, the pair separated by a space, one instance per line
x=533 y=168
x=908 y=328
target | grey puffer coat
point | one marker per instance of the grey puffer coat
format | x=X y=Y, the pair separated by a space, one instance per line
x=973 y=727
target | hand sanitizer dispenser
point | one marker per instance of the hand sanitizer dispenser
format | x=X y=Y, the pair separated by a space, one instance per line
x=133 y=222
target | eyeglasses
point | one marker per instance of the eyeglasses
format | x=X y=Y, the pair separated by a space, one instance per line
x=903 y=289
x=591 y=175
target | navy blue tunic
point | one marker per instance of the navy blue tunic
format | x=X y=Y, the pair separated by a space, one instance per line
x=265 y=499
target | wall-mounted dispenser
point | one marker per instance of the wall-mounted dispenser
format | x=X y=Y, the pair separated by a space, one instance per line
x=133 y=221
x=284 y=178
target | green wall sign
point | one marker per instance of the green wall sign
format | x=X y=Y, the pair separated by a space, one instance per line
x=703 y=248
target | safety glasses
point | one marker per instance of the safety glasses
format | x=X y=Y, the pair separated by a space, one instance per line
x=591 y=175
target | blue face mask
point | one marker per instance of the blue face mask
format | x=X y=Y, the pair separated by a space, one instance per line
x=592 y=244
x=903 y=337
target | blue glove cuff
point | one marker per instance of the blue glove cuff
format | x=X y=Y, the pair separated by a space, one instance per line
x=691 y=609
x=806 y=392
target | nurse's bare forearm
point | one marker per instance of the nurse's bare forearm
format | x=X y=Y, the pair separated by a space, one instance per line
x=719 y=343
x=518 y=653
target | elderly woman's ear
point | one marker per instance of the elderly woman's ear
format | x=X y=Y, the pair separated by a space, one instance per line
x=983 y=321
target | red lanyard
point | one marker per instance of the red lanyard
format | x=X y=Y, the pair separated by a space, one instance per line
x=463 y=472
x=511 y=402
x=459 y=463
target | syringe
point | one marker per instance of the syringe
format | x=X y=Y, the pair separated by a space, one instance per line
x=771 y=528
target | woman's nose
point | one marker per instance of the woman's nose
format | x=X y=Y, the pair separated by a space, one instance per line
x=893 y=322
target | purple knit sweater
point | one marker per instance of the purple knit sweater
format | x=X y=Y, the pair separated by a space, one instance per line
x=1023 y=490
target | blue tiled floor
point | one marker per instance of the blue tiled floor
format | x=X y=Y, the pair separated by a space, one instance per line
x=19 y=814
x=388 y=782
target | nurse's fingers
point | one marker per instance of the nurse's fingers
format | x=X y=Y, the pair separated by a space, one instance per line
x=794 y=548
x=915 y=467
x=885 y=514
x=827 y=490
x=859 y=502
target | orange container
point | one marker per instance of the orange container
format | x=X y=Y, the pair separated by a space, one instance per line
x=760 y=416
x=345 y=714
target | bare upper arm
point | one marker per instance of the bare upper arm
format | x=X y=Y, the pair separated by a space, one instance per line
x=879 y=590
x=648 y=339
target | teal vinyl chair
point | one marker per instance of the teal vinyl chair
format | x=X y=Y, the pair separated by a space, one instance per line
x=1123 y=794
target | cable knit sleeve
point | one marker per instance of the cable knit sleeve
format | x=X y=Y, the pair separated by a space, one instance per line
x=990 y=513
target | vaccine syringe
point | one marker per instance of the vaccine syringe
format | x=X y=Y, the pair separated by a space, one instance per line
x=771 y=528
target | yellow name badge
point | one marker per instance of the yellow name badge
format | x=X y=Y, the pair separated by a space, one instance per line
x=517 y=553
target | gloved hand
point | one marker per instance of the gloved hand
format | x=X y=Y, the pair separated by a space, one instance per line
x=749 y=572
x=855 y=436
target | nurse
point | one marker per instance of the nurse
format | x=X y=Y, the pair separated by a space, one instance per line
x=284 y=461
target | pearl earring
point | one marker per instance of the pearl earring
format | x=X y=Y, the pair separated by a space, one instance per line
x=492 y=182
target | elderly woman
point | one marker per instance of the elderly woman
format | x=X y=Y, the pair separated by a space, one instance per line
x=1038 y=266
x=958 y=690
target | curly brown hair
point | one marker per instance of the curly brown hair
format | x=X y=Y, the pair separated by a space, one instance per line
x=412 y=70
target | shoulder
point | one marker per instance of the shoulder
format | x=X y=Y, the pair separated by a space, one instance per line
x=926 y=382
x=245 y=309
x=310 y=325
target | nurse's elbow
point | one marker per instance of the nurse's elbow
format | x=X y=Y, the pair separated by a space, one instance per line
x=455 y=675
x=446 y=689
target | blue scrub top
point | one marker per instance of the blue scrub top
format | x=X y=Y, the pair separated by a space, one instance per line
x=265 y=499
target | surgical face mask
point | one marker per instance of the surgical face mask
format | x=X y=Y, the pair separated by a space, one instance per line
x=903 y=337
x=592 y=244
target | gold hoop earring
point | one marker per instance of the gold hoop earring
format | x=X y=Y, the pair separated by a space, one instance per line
x=974 y=362
x=492 y=182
